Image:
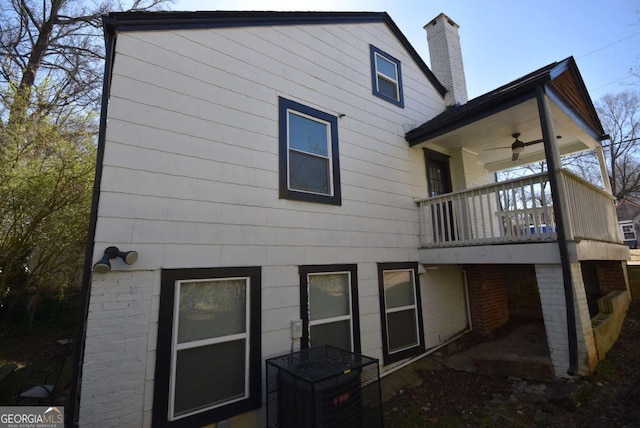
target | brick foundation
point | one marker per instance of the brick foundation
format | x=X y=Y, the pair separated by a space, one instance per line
x=524 y=298
x=612 y=276
x=488 y=298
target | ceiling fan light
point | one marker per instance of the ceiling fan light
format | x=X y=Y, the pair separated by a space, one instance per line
x=517 y=149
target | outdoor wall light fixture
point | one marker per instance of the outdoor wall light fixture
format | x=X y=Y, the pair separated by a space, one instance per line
x=104 y=264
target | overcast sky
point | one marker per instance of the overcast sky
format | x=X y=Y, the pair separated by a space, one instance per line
x=505 y=39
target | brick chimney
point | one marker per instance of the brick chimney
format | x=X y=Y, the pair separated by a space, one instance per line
x=446 y=58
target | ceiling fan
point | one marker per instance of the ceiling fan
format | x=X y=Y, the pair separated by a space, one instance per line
x=518 y=146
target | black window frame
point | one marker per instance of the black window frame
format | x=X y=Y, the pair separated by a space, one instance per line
x=373 y=51
x=304 y=271
x=388 y=357
x=334 y=197
x=160 y=413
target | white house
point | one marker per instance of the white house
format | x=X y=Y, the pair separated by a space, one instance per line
x=278 y=170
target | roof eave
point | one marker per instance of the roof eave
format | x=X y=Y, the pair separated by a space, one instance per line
x=476 y=112
x=504 y=97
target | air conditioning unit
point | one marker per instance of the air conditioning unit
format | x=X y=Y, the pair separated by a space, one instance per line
x=323 y=387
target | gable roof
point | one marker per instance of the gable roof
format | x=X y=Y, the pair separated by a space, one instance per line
x=157 y=21
x=627 y=210
x=563 y=76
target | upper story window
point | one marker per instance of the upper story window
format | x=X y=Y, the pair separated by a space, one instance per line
x=309 y=165
x=386 y=76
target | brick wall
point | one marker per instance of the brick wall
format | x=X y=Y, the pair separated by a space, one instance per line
x=446 y=58
x=488 y=300
x=612 y=275
x=524 y=298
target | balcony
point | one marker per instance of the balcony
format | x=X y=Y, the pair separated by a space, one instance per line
x=517 y=211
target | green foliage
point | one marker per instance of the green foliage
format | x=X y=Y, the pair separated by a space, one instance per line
x=46 y=176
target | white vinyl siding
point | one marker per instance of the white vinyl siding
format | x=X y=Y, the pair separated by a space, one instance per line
x=190 y=178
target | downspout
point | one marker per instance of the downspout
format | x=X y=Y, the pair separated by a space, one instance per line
x=72 y=419
x=553 y=167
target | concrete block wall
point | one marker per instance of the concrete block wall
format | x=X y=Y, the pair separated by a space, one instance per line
x=488 y=297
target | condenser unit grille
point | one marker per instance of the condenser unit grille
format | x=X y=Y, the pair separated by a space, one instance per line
x=323 y=387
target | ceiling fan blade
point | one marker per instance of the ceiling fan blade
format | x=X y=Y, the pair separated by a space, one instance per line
x=541 y=140
x=531 y=143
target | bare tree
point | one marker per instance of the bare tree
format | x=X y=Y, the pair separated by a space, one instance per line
x=620 y=116
x=51 y=55
x=51 y=66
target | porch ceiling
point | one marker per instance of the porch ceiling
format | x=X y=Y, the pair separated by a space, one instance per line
x=490 y=137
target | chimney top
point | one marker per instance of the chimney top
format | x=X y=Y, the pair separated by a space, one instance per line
x=446 y=58
x=442 y=17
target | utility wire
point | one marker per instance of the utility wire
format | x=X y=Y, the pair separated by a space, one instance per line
x=611 y=83
x=609 y=45
x=605 y=47
x=631 y=140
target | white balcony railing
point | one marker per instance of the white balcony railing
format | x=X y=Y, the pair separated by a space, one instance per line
x=518 y=210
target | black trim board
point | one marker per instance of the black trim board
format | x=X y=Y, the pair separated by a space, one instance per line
x=85 y=291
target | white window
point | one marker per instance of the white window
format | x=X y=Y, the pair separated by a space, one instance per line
x=309 y=154
x=208 y=353
x=309 y=167
x=628 y=231
x=401 y=311
x=211 y=346
x=330 y=309
x=386 y=76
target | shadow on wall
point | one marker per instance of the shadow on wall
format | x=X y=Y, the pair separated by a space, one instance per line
x=608 y=323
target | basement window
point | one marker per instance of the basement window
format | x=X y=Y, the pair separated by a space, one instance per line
x=208 y=350
x=401 y=311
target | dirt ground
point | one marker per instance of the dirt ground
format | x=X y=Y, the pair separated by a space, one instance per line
x=449 y=398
